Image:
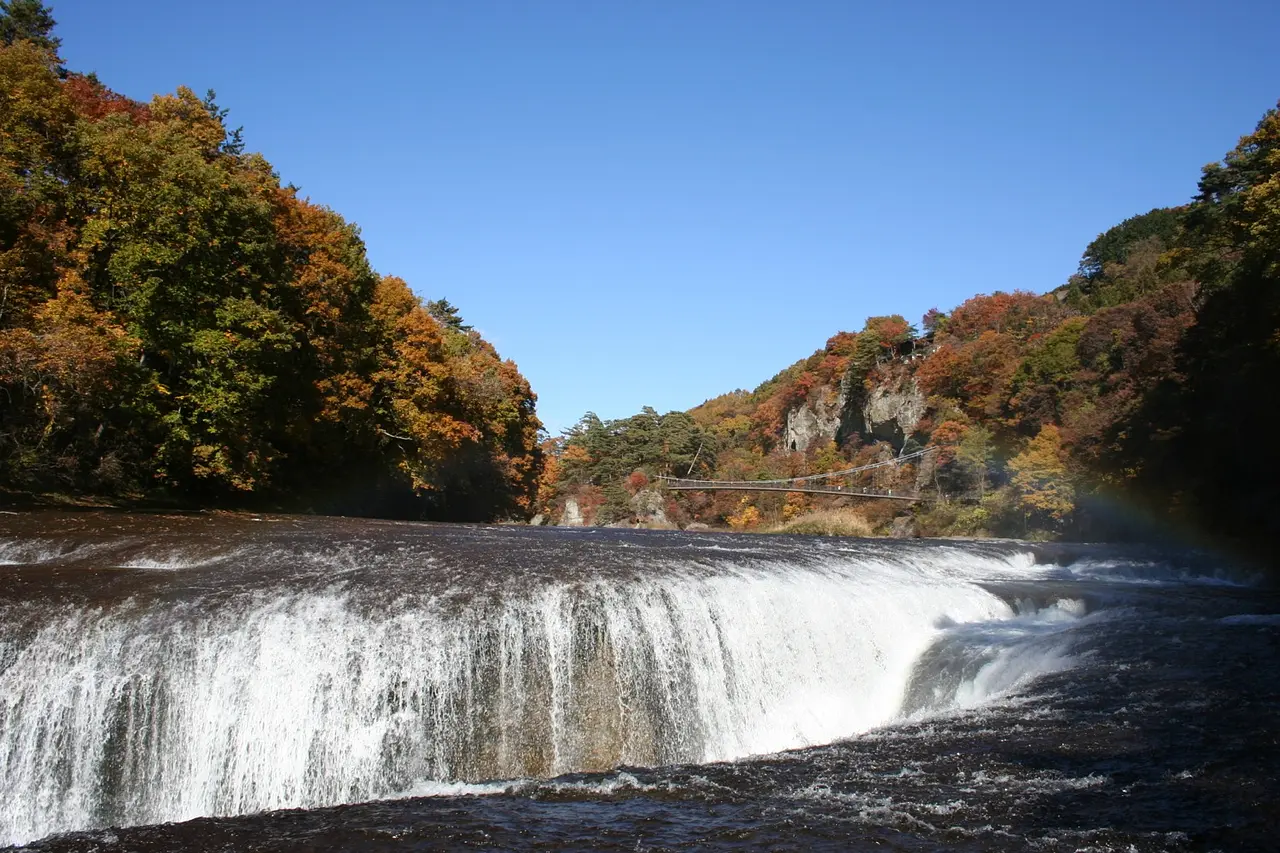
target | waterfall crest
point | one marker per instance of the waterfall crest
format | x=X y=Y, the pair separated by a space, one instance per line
x=345 y=681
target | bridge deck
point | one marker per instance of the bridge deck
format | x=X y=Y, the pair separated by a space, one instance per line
x=678 y=484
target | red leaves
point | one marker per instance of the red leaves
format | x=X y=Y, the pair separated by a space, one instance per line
x=1020 y=315
x=637 y=481
x=94 y=101
x=946 y=437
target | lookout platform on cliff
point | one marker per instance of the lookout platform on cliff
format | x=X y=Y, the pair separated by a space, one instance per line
x=831 y=483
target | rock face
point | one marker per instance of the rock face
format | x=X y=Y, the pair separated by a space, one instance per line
x=925 y=473
x=888 y=412
x=648 y=510
x=572 y=515
x=650 y=507
x=813 y=422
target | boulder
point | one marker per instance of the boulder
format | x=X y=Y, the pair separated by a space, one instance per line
x=572 y=514
x=904 y=527
x=650 y=507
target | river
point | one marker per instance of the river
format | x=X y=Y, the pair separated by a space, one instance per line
x=268 y=683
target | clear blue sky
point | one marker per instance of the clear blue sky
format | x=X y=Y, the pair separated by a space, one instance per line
x=651 y=202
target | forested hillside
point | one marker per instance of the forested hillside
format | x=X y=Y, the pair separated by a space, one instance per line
x=1138 y=394
x=175 y=323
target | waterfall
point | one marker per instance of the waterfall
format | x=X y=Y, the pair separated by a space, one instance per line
x=352 y=682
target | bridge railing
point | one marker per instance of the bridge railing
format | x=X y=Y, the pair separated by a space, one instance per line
x=680 y=484
x=808 y=478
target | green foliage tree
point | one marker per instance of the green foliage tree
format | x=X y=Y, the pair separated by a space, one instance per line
x=447 y=315
x=976 y=453
x=602 y=452
x=1128 y=261
x=1047 y=372
x=28 y=20
x=616 y=506
x=175 y=323
x=1197 y=443
x=37 y=168
x=1114 y=245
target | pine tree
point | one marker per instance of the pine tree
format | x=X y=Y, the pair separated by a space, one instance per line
x=447 y=315
x=27 y=20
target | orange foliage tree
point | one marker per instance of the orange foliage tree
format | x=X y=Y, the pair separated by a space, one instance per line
x=175 y=323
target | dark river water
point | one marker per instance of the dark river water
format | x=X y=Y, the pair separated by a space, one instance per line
x=282 y=683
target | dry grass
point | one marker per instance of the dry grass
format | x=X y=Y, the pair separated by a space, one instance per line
x=825 y=522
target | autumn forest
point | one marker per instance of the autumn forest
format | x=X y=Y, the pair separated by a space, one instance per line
x=1132 y=399
x=177 y=326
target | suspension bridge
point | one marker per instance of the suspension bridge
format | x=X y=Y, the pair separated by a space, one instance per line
x=831 y=483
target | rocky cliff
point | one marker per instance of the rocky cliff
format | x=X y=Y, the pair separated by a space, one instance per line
x=888 y=411
x=815 y=421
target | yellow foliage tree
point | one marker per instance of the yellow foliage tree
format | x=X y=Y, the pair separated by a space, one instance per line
x=796 y=504
x=747 y=516
x=1040 y=477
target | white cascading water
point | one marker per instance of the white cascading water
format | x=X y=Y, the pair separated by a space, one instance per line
x=145 y=711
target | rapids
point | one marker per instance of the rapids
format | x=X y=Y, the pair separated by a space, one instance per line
x=155 y=670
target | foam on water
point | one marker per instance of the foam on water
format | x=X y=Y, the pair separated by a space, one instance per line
x=1270 y=619
x=26 y=552
x=163 y=709
x=1161 y=573
x=177 y=560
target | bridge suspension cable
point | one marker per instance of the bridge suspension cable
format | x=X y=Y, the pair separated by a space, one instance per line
x=808 y=478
